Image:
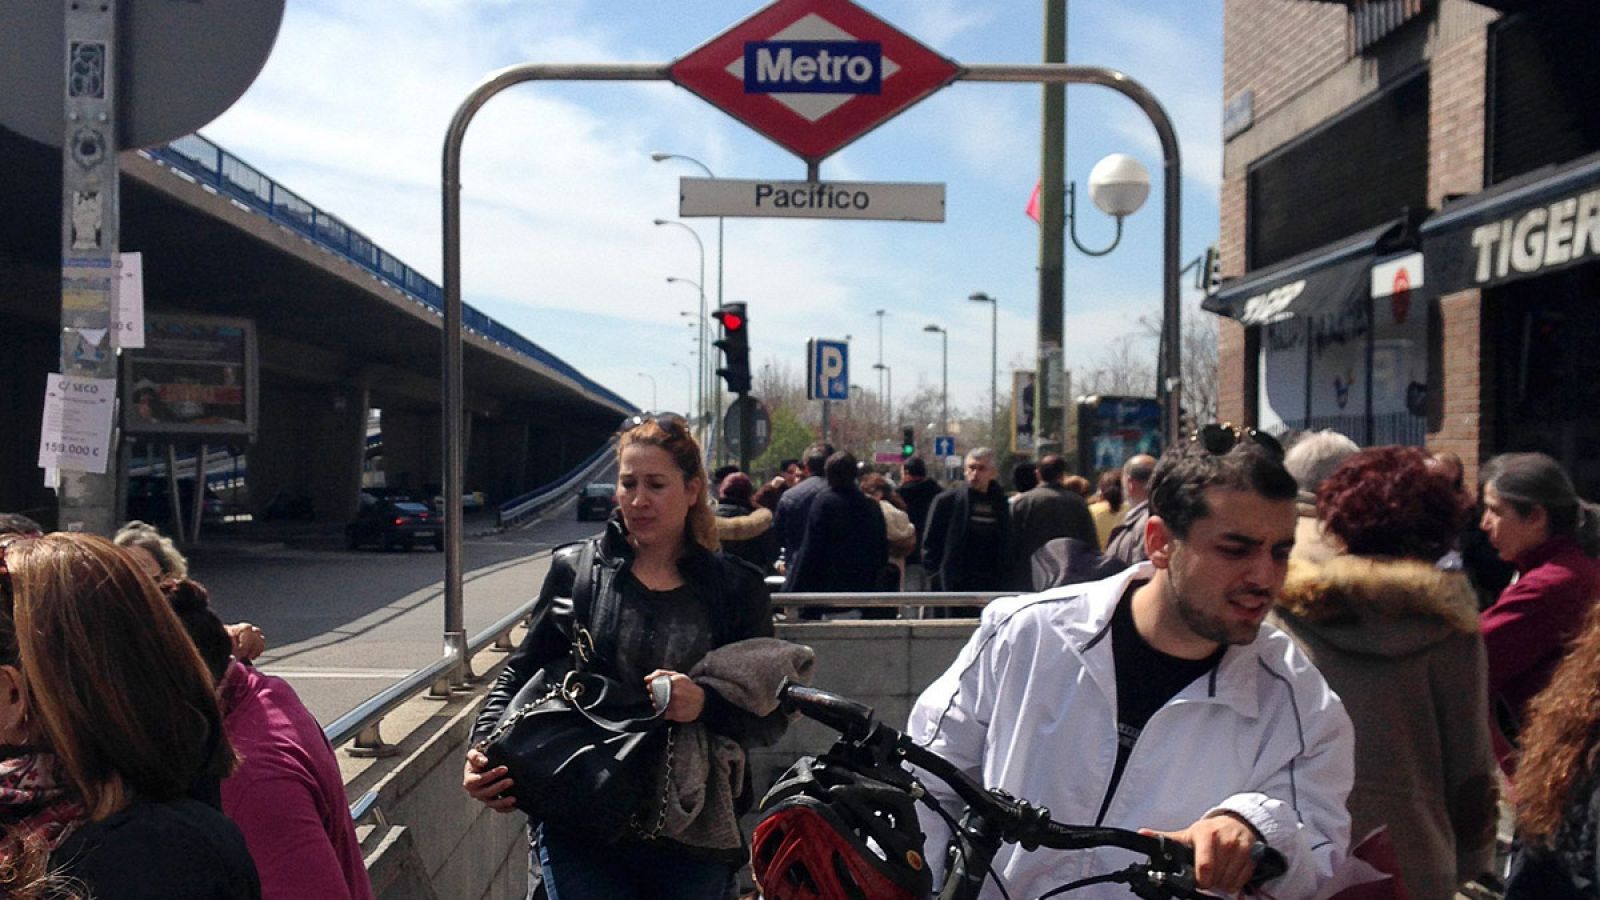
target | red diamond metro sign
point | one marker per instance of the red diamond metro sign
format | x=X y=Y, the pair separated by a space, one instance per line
x=813 y=75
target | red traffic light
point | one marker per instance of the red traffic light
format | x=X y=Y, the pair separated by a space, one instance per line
x=731 y=320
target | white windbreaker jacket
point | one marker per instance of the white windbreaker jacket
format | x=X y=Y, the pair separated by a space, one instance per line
x=1030 y=706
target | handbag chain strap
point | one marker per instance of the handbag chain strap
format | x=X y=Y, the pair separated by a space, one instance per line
x=666 y=792
x=510 y=722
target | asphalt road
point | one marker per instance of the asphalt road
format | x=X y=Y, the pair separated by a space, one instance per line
x=343 y=625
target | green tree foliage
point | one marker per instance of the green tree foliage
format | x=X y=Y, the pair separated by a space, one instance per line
x=790 y=437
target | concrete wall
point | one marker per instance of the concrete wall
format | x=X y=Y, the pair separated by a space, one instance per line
x=436 y=844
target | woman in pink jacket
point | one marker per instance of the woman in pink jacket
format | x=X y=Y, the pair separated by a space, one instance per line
x=1535 y=520
x=287 y=796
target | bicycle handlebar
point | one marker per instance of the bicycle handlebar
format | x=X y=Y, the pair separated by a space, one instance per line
x=1019 y=821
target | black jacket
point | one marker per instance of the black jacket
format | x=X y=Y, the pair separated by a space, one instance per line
x=944 y=540
x=760 y=551
x=156 y=851
x=846 y=544
x=918 y=496
x=739 y=601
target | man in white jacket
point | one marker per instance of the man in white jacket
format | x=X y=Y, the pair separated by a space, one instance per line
x=1156 y=699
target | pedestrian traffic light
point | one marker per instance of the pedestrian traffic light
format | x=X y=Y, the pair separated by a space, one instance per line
x=908 y=442
x=735 y=346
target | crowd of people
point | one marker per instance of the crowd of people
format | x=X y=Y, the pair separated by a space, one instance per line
x=1237 y=644
x=1419 y=626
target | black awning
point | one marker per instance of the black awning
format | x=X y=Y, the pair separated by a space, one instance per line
x=1326 y=278
x=1540 y=222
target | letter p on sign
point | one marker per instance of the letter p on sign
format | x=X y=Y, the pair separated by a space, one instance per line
x=830 y=368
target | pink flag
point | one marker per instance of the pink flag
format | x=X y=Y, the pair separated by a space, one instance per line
x=1033 y=203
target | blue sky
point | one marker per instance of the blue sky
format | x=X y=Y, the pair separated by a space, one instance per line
x=560 y=192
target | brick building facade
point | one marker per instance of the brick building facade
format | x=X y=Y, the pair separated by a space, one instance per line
x=1368 y=142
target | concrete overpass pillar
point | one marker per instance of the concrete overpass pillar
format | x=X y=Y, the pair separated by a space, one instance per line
x=310 y=444
x=31 y=354
x=411 y=452
x=495 y=464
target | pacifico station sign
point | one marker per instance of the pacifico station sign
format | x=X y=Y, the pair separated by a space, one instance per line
x=812 y=76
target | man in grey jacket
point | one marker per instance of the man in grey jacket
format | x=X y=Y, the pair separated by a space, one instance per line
x=1041 y=515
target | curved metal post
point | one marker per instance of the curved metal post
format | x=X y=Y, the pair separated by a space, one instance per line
x=455 y=635
x=1053 y=73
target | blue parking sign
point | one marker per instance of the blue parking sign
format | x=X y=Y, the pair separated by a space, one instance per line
x=828 y=368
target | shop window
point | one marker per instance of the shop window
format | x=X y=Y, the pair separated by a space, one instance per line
x=1325 y=186
x=1543 y=78
x=1546 y=374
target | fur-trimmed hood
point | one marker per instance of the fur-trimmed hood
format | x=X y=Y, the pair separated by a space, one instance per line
x=1385 y=607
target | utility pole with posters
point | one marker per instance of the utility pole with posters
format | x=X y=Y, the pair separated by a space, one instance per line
x=1051 y=423
x=89 y=236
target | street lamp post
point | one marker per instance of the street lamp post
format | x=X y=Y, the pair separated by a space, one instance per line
x=699 y=245
x=994 y=362
x=944 y=377
x=659 y=156
x=887 y=373
x=654 y=400
x=699 y=327
x=880 y=314
x=688 y=383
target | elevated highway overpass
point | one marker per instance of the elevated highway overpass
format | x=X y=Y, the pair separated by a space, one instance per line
x=342 y=327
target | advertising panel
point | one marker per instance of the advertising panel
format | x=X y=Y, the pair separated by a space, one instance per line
x=196 y=375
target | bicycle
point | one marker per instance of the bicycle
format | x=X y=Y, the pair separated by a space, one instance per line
x=994 y=817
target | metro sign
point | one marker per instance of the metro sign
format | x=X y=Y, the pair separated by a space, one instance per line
x=813 y=75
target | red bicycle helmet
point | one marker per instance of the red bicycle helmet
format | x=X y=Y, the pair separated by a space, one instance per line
x=831 y=832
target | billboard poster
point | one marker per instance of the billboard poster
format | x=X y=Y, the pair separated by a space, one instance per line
x=1112 y=429
x=196 y=375
x=1023 y=411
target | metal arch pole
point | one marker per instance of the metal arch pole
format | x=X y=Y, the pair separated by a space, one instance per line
x=1044 y=73
x=455 y=635
x=1058 y=73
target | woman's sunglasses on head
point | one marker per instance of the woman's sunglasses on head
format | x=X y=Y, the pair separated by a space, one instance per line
x=668 y=421
x=1218 y=438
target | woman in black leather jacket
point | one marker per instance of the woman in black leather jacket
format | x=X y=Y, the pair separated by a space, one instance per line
x=664 y=597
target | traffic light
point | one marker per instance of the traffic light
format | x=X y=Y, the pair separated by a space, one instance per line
x=908 y=442
x=735 y=346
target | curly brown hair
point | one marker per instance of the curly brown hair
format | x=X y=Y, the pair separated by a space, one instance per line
x=1561 y=740
x=1387 y=501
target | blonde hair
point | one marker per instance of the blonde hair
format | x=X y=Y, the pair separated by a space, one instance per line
x=124 y=700
x=674 y=439
x=149 y=538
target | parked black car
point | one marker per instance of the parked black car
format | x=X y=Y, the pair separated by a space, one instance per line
x=149 y=501
x=391 y=523
x=597 y=501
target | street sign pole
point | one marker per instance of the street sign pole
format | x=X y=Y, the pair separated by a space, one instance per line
x=89 y=237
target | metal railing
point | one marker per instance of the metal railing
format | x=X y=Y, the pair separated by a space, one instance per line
x=519 y=509
x=360 y=727
x=208 y=164
x=791 y=604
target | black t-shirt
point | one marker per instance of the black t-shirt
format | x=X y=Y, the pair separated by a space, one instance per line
x=1146 y=680
x=981 y=555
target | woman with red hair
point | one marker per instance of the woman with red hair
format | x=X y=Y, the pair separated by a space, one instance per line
x=1397 y=639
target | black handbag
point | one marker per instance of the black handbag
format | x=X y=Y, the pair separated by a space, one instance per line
x=584 y=753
